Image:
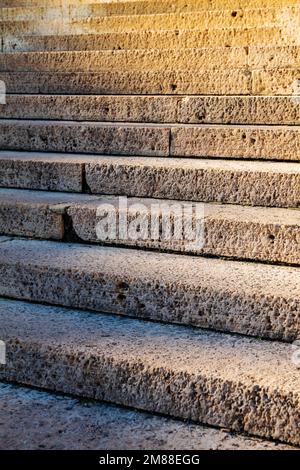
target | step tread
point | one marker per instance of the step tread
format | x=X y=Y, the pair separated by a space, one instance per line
x=70 y=423
x=249 y=298
x=180 y=372
x=184 y=163
x=13 y=197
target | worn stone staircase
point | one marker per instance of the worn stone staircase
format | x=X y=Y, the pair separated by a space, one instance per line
x=165 y=102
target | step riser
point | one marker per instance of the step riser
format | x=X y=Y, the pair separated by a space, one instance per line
x=216 y=82
x=132 y=177
x=85 y=138
x=123 y=60
x=152 y=60
x=90 y=8
x=219 y=185
x=151 y=40
x=49 y=176
x=243 y=239
x=285 y=18
x=155 y=109
x=187 y=375
x=205 y=293
x=89 y=23
x=229 y=231
x=278 y=143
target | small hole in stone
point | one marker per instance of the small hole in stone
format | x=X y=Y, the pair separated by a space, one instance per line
x=122 y=285
x=272 y=238
x=121 y=297
x=173 y=87
x=252 y=140
x=244 y=136
x=234 y=14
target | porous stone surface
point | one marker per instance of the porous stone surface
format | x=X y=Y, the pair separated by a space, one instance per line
x=68 y=136
x=92 y=108
x=273 y=57
x=277 y=81
x=229 y=230
x=271 y=143
x=202 y=20
x=151 y=6
x=133 y=60
x=32 y=214
x=234 y=231
x=222 y=380
x=237 y=182
x=49 y=172
x=155 y=109
x=39 y=420
x=233 y=81
x=180 y=39
x=253 y=299
x=113 y=138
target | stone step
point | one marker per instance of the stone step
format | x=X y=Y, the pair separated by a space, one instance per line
x=183 y=39
x=211 y=109
x=73 y=8
x=238 y=383
x=242 y=297
x=251 y=233
x=174 y=140
x=37 y=214
x=74 y=424
x=134 y=60
x=51 y=172
x=87 y=19
x=235 y=182
x=98 y=138
x=286 y=17
x=254 y=57
x=210 y=81
x=151 y=6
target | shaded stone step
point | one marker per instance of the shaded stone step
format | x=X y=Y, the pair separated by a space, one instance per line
x=67 y=136
x=72 y=423
x=248 y=298
x=260 y=142
x=51 y=172
x=230 y=231
x=134 y=60
x=238 y=37
x=156 y=109
x=254 y=57
x=179 y=140
x=37 y=214
x=227 y=82
x=271 y=235
x=236 y=182
x=180 y=372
